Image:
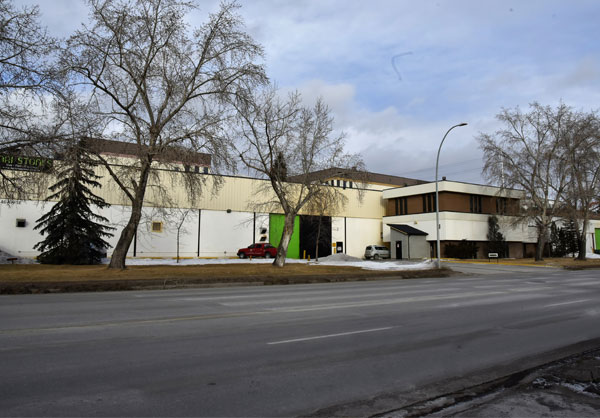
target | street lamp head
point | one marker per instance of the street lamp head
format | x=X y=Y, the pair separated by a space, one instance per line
x=463 y=124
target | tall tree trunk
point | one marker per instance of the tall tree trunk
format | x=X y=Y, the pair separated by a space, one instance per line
x=541 y=243
x=178 y=245
x=582 y=240
x=117 y=261
x=318 y=238
x=286 y=236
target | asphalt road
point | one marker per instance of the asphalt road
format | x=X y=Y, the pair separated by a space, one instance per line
x=342 y=348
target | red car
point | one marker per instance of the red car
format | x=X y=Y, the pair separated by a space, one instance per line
x=258 y=250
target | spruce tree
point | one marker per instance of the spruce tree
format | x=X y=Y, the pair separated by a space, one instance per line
x=496 y=240
x=74 y=234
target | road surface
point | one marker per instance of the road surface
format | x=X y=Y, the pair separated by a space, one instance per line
x=341 y=348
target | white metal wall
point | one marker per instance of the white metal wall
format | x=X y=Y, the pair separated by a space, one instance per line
x=356 y=234
x=222 y=233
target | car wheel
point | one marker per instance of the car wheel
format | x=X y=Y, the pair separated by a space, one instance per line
x=267 y=255
x=376 y=257
x=242 y=255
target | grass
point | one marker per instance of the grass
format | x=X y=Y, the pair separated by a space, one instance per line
x=37 y=278
x=36 y=273
x=565 y=262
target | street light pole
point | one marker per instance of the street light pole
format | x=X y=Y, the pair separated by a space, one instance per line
x=437 y=204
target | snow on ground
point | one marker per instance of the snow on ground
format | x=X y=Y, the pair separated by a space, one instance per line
x=332 y=260
x=592 y=255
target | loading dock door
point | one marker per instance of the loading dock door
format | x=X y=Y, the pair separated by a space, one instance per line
x=399 y=250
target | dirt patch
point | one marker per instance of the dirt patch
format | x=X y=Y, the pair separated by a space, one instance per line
x=51 y=279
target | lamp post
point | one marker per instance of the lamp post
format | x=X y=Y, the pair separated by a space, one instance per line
x=437 y=205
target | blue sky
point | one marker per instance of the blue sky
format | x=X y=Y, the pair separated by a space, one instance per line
x=398 y=74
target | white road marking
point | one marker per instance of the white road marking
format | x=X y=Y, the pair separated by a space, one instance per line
x=567 y=303
x=318 y=337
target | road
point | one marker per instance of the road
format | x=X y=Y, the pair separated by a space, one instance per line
x=360 y=347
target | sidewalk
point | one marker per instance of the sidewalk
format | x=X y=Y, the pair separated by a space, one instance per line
x=565 y=388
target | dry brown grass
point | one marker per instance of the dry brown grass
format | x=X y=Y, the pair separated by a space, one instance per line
x=36 y=273
x=46 y=278
x=566 y=262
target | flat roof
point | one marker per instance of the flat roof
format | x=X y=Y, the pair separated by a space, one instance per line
x=452 y=186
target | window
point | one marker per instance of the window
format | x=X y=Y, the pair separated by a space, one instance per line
x=475 y=203
x=21 y=223
x=344 y=184
x=401 y=206
x=157 y=226
x=350 y=185
x=501 y=205
x=429 y=202
x=205 y=170
x=338 y=183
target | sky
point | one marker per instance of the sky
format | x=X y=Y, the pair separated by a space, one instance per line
x=398 y=74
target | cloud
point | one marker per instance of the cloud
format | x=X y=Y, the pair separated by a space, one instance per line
x=467 y=60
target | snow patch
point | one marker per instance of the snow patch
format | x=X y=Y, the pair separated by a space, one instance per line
x=332 y=260
x=338 y=257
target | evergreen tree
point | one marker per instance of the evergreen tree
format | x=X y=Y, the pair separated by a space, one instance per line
x=496 y=241
x=74 y=234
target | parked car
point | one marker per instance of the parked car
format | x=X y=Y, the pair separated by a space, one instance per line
x=376 y=252
x=265 y=250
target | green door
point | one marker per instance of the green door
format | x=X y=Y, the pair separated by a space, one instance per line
x=276 y=223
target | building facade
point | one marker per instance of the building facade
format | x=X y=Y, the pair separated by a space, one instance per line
x=230 y=214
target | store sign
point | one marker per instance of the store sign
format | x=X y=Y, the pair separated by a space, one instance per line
x=23 y=163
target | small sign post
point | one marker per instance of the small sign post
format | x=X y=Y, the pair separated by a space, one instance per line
x=492 y=255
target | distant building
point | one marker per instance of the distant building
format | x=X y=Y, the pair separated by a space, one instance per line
x=395 y=211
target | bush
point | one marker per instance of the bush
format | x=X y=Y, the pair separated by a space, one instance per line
x=464 y=249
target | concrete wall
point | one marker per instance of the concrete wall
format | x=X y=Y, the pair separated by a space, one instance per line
x=459 y=226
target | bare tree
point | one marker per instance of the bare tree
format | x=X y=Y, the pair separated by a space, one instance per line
x=294 y=148
x=160 y=88
x=526 y=154
x=26 y=55
x=581 y=147
x=180 y=216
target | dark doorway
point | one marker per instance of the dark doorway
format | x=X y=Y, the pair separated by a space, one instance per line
x=309 y=229
x=399 y=250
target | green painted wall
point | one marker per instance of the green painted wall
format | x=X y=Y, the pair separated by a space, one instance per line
x=276 y=223
x=597 y=239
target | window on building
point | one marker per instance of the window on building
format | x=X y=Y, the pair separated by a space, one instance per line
x=501 y=205
x=21 y=223
x=344 y=184
x=337 y=183
x=475 y=203
x=350 y=185
x=429 y=202
x=401 y=206
x=157 y=226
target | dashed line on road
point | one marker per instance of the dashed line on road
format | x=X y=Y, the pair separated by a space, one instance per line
x=318 y=337
x=567 y=303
